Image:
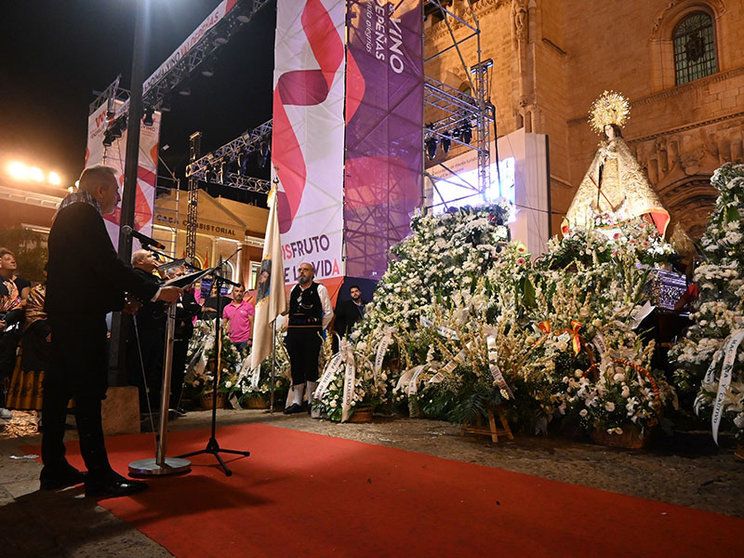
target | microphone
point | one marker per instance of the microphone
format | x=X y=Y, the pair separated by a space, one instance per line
x=144 y=239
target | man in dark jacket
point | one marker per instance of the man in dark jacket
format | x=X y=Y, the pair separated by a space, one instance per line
x=146 y=339
x=349 y=312
x=86 y=280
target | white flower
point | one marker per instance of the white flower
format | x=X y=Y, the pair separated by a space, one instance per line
x=583 y=413
x=610 y=406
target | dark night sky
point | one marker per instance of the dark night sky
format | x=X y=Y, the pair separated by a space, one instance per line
x=55 y=53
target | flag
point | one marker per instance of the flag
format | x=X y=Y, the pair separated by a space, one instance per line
x=271 y=294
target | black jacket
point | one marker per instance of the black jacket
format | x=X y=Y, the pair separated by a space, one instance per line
x=85 y=276
x=347 y=314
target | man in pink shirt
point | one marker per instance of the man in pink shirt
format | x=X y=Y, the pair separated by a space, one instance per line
x=240 y=314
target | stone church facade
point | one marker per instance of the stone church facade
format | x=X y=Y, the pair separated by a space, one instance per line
x=679 y=62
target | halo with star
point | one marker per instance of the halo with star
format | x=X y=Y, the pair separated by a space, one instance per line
x=610 y=108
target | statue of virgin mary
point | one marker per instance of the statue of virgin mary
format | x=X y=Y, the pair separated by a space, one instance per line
x=615 y=185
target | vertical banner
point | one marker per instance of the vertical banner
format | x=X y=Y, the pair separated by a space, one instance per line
x=114 y=155
x=384 y=129
x=308 y=134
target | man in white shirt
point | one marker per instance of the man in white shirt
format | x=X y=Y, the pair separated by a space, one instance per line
x=310 y=312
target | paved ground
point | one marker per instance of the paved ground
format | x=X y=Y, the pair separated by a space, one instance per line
x=685 y=469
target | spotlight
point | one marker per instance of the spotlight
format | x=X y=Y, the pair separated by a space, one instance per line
x=263 y=154
x=185 y=92
x=208 y=69
x=147 y=120
x=242 y=163
x=108 y=138
x=466 y=133
x=431 y=148
x=446 y=142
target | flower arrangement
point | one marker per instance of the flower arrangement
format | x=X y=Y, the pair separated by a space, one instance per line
x=715 y=380
x=460 y=315
x=349 y=381
x=263 y=383
x=201 y=355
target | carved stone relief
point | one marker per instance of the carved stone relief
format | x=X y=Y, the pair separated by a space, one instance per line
x=679 y=166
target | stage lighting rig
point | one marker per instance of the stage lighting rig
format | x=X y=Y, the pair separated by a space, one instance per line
x=114 y=131
x=263 y=154
x=242 y=163
x=208 y=69
x=431 y=148
x=466 y=132
x=147 y=120
x=445 y=142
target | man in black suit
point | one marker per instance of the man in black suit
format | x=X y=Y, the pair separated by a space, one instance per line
x=86 y=280
x=146 y=343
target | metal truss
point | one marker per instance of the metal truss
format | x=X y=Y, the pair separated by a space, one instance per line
x=249 y=183
x=193 y=200
x=155 y=95
x=249 y=142
x=454 y=110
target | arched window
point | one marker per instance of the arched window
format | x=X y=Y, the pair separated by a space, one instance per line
x=694 y=47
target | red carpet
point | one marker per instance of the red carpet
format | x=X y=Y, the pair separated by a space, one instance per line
x=302 y=494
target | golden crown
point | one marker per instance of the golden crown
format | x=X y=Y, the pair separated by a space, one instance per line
x=610 y=108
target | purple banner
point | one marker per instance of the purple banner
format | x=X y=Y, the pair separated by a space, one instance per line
x=384 y=129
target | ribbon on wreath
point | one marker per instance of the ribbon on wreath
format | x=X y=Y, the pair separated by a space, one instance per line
x=387 y=340
x=254 y=374
x=349 y=381
x=728 y=353
x=329 y=372
x=199 y=362
x=444 y=331
x=408 y=381
x=573 y=332
x=493 y=366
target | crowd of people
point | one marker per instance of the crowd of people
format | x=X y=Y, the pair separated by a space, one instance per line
x=21 y=316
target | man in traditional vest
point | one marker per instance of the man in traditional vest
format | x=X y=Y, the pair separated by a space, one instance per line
x=310 y=312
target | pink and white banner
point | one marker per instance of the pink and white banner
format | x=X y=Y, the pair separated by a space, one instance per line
x=308 y=134
x=114 y=156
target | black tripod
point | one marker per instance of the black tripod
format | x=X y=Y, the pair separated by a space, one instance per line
x=213 y=447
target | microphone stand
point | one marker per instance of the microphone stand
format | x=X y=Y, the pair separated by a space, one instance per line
x=162 y=465
x=213 y=447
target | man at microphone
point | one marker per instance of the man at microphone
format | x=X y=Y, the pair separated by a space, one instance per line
x=86 y=280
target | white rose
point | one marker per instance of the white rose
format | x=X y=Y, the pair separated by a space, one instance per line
x=610 y=406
